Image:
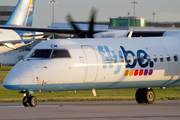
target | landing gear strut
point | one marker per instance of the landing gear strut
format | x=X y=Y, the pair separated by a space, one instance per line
x=144 y=95
x=29 y=100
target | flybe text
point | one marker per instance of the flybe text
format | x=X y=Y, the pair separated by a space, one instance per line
x=124 y=56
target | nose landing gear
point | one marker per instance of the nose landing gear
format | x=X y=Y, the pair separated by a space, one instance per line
x=29 y=100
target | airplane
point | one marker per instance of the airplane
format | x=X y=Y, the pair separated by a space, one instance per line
x=21 y=16
x=106 y=60
x=98 y=63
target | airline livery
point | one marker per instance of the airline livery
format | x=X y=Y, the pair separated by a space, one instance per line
x=21 y=16
x=99 y=60
x=101 y=63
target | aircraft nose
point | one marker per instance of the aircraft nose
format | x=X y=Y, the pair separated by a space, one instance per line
x=11 y=81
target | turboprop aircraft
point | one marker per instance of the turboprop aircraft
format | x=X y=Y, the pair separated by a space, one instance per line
x=107 y=60
x=21 y=16
x=98 y=63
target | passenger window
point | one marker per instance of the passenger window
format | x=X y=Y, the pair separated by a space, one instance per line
x=168 y=58
x=135 y=59
x=128 y=59
x=161 y=58
x=107 y=59
x=121 y=59
x=148 y=58
x=60 y=54
x=155 y=58
x=142 y=59
x=175 y=58
x=114 y=59
x=41 y=53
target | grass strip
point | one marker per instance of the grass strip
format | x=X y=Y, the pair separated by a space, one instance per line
x=102 y=95
x=3 y=74
x=6 y=68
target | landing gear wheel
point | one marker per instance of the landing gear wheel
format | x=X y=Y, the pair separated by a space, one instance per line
x=32 y=101
x=29 y=100
x=139 y=96
x=25 y=102
x=150 y=96
x=144 y=95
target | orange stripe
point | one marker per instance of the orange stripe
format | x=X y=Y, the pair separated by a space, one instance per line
x=126 y=73
x=131 y=73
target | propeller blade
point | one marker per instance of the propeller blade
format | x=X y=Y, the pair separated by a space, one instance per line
x=91 y=26
x=77 y=30
x=81 y=33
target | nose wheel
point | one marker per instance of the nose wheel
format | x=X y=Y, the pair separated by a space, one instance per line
x=29 y=100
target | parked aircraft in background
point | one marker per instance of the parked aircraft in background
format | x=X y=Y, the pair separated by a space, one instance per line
x=91 y=31
x=88 y=32
x=21 y=16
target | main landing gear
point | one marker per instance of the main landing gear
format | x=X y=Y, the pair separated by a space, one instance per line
x=29 y=100
x=144 y=95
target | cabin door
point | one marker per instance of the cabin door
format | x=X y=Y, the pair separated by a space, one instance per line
x=91 y=63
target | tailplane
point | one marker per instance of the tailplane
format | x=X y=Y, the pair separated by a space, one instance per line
x=23 y=13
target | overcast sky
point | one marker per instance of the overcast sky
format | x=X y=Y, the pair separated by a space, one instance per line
x=166 y=10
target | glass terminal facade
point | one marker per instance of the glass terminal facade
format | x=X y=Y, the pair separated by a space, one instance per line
x=124 y=21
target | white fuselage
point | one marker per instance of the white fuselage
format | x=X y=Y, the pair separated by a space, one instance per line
x=100 y=64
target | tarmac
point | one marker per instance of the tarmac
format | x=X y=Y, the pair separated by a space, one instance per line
x=93 y=110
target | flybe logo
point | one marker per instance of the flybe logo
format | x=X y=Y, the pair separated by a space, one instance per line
x=103 y=50
x=141 y=57
x=130 y=59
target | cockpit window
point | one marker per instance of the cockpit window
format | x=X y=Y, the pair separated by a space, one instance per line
x=60 y=54
x=41 y=53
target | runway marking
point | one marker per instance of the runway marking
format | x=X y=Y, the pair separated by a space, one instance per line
x=39 y=106
x=49 y=106
x=23 y=106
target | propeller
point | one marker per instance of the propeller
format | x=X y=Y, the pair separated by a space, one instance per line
x=82 y=33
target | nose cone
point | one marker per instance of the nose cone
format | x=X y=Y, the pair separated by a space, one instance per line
x=11 y=81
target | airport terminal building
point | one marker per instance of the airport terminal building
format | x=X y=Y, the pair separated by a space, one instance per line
x=5 y=12
x=123 y=21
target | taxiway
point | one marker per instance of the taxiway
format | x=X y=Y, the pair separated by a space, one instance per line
x=90 y=110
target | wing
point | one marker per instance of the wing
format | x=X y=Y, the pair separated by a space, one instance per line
x=45 y=29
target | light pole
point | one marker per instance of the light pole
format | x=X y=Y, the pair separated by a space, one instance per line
x=53 y=9
x=69 y=21
x=134 y=2
x=153 y=16
x=128 y=19
x=69 y=18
